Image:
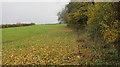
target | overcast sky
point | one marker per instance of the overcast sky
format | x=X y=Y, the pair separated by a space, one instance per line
x=38 y=12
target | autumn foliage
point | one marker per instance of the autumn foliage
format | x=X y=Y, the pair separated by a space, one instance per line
x=100 y=20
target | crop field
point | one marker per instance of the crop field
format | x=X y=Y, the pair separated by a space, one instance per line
x=50 y=45
x=40 y=44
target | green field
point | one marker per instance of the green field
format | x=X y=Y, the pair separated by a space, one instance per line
x=40 y=44
x=51 y=45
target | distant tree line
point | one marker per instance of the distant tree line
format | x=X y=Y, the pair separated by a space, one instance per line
x=16 y=25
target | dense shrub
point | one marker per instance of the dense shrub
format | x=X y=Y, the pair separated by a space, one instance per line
x=106 y=16
x=101 y=21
